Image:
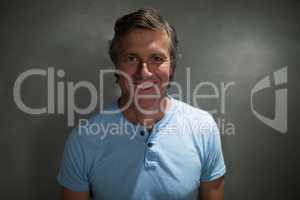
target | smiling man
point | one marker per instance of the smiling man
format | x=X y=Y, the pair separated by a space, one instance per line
x=144 y=56
x=176 y=149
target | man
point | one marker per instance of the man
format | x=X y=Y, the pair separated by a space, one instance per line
x=156 y=147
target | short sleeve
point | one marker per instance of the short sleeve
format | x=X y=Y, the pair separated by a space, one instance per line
x=214 y=165
x=72 y=173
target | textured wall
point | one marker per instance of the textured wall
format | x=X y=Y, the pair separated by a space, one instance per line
x=232 y=43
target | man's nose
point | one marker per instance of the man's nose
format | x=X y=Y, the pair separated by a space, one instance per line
x=144 y=70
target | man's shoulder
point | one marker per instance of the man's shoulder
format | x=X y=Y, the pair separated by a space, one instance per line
x=109 y=113
x=194 y=117
x=93 y=128
x=185 y=109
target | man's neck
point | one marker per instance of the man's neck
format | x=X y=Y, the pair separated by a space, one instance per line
x=149 y=118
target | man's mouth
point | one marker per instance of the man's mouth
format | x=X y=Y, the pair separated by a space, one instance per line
x=145 y=85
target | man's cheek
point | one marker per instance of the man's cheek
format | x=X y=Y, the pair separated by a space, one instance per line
x=125 y=84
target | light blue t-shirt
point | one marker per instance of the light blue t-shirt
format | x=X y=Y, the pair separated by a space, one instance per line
x=116 y=159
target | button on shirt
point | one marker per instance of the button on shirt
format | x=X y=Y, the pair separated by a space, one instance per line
x=115 y=159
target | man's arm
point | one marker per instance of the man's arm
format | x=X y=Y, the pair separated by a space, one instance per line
x=212 y=190
x=68 y=194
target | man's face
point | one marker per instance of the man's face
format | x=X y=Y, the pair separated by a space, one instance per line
x=144 y=55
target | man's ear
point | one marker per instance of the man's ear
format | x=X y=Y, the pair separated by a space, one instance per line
x=116 y=74
x=117 y=77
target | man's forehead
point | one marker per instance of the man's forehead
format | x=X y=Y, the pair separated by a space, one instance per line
x=145 y=39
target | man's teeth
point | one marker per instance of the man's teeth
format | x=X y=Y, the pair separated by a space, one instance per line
x=145 y=85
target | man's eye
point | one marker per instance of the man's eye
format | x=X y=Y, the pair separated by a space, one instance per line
x=131 y=59
x=157 y=59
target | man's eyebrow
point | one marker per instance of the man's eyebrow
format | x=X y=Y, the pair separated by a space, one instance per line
x=155 y=53
x=158 y=53
x=161 y=54
x=128 y=53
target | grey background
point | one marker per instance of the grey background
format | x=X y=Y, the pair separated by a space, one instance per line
x=222 y=41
